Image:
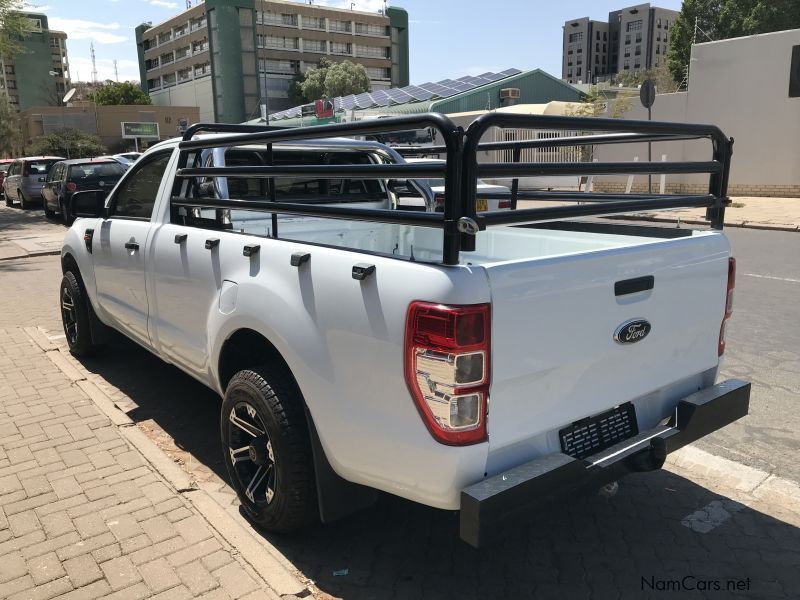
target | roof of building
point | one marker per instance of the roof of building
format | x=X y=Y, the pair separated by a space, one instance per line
x=536 y=87
x=411 y=94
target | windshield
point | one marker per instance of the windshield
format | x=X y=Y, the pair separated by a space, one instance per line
x=96 y=170
x=40 y=167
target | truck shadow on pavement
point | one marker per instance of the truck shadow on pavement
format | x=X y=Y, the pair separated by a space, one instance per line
x=632 y=545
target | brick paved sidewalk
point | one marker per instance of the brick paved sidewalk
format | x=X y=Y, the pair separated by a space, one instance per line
x=82 y=515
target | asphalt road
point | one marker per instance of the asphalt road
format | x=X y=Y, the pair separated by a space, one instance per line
x=585 y=547
x=763 y=346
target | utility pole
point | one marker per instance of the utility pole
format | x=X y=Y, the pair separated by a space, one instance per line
x=116 y=71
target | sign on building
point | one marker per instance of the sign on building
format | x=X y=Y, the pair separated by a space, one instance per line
x=131 y=130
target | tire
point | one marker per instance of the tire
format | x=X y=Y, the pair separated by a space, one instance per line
x=8 y=200
x=274 y=455
x=75 y=315
x=23 y=202
x=68 y=218
x=47 y=212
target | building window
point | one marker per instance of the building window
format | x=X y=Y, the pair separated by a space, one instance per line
x=580 y=50
x=168 y=80
x=179 y=31
x=284 y=67
x=151 y=63
x=605 y=36
x=314 y=46
x=278 y=43
x=596 y=59
x=202 y=70
x=341 y=48
x=153 y=84
x=634 y=25
x=666 y=37
x=371 y=51
x=569 y=63
x=54 y=42
x=163 y=38
x=576 y=37
x=197 y=24
x=340 y=26
x=627 y=39
x=604 y=48
x=184 y=75
x=570 y=51
x=182 y=53
x=282 y=19
x=638 y=38
x=638 y=51
x=200 y=46
x=666 y=24
x=597 y=47
x=627 y=65
x=597 y=35
x=658 y=23
x=579 y=61
x=167 y=58
x=151 y=43
x=658 y=48
x=637 y=64
x=370 y=29
x=313 y=22
x=569 y=72
x=578 y=72
x=378 y=73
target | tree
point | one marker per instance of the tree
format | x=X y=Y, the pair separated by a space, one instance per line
x=10 y=132
x=13 y=26
x=113 y=92
x=598 y=102
x=69 y=142
x=723 y=19
x=661 y=76
x=331 y=79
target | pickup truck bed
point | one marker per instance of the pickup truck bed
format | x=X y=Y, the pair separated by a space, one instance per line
x=414 y=353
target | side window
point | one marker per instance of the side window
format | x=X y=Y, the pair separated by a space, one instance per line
x=136 y=196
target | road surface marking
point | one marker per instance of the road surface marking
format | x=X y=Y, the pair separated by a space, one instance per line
x=711 y=515
x=773 y=277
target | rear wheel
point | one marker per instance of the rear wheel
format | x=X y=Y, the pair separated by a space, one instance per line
x=75 y=315
x=267 y=450
x=23 y=201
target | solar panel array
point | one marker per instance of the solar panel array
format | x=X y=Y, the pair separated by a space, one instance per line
x=412 y=93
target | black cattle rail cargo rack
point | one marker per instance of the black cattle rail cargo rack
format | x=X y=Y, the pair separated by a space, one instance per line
x=460 y=222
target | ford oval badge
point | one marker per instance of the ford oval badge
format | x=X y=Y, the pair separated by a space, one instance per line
x=632 y=331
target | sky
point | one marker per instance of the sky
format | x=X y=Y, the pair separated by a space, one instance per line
x=448 y=38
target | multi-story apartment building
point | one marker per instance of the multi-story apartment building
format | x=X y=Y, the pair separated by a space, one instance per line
x=638 y=38
x=38 y=75
x=233 y=57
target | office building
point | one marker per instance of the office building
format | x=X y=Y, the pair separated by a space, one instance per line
x=38 y=74
x=236 y=59
x=633 y=39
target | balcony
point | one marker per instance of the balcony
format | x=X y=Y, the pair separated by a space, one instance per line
x=197 y=25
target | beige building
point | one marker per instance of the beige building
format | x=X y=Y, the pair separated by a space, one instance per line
x=235 y=59
x=750 y=88
x=106 y=122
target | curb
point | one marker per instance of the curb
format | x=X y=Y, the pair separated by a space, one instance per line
x=755 y=483
x=741 y=225
x=262 y=556
x=32 y=255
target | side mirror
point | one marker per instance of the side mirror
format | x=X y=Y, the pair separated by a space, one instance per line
x=90 y=203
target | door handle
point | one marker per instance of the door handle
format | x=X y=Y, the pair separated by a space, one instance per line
x=132 y=246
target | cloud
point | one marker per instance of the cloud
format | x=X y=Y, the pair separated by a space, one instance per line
x=164 y=4
x=80 y=68
x=79 y=29
x=36 y=7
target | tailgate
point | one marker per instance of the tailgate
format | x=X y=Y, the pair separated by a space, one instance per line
x=554 y=357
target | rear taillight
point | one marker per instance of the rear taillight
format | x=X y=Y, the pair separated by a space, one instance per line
x=71 y=186
x=728 y=304
x=504 y=204
x=438 y=202
x=447 y=369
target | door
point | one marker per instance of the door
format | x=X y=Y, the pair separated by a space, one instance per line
x=120 y=247
x=52 y=187
x=12 y=181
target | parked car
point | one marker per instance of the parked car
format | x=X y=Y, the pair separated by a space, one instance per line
x=488 y=363
x=4 y=166
x=69 y=176
x=409 y=198
x=25 y=178
x=126 y=158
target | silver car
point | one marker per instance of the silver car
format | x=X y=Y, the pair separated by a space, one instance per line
x=25 y=178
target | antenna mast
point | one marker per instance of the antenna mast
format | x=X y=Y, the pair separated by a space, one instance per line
x=116 y=71
x=94 y=63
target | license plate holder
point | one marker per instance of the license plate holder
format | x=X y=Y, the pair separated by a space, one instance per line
x=596 y=433
x=482 y=205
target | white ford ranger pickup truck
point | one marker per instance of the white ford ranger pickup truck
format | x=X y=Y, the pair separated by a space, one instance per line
x=486 y=362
